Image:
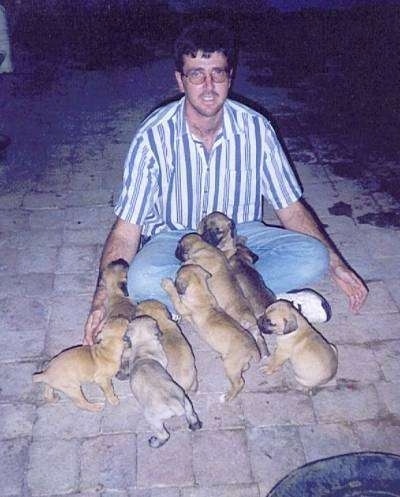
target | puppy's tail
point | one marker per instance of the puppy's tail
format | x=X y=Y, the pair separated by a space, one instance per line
x=38 y=377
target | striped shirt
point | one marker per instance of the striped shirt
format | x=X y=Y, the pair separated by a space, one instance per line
x=171 y=182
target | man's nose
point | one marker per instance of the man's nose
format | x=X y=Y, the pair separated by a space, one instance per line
x=209 y=82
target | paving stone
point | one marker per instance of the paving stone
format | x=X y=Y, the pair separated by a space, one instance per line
x=17 y=381
x=390 y=395
x=110 y=461
x=220 y=457
x=381 y=436
x=26 y=285
x=393 y=286
x=47 y=219
x=250 y=490
x=8 y=260
x=387 y=354
x=274 y=452
x=85 y=180
x=170 y=465
x=58 y=340
x=215 y=414
x=124 y=418
x=352 y=403
x=69 y=312
x=77 y=258
x=35 y=314
x=381 y=242
x=210 y=372
x=281 y=408
x=30 y=260
x=83 y=218
x=367 y=368
x=14 y=220
x=13 y=466
x=41 y=201
x=16 y=420
x=64 y=420
x=10 y=201
x=327 y=440
x=59 y=455
x=357 y=328
x=90 y=236
x=21 y=344
x=75 y=284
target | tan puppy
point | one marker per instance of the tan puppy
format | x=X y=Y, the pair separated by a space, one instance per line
x=219 y=230
x=113 y=279
x=250 y=280
x=96 y=363
x=153 y=387
x=192 y=249
x=314 y=359
x=181 y=364
x=99 y=362
x=192 y=298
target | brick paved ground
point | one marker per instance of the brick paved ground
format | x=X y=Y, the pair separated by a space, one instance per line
x=59 y=182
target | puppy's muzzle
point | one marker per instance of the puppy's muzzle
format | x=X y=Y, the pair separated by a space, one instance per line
x=265 y=324
x=179 y=253
x=212 y=236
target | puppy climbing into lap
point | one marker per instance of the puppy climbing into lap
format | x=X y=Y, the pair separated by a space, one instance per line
x=192 y=249
x=313 y=358
x=193 y=299
x=153 y=387
x=181 y=362
x=96 y=363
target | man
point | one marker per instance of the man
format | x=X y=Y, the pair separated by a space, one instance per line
x=204 y=153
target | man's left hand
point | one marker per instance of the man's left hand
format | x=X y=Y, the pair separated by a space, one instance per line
x=352 y=286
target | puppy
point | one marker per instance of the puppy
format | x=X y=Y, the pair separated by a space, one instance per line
x=219 y=230
x=222 y=283
x=96 y=363
x=99 y=362
x=250 y=280
x=114 y=279
x=181 y=363
x=192 y=297
x=153 y=387
x=314 y=359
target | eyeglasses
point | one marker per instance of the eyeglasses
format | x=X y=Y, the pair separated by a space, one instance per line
x=198 y=76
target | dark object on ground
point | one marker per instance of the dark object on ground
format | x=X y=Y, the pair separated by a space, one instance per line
x=367 y=474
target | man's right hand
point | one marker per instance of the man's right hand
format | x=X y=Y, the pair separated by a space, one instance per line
x=93 y=325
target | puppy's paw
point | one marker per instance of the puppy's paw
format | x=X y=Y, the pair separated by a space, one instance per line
x=267 y=369
x=156 y=443
x=114 y=401
x=94 y=406
x=196 y=426
x=167 y=284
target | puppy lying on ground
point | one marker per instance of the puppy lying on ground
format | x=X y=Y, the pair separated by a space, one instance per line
x=192 y=249
x=181 y=364
x=94 y=363
x=314 y=359
x=192 y=298
x=153 y=387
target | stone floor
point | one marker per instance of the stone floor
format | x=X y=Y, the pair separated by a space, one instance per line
x=59 y=180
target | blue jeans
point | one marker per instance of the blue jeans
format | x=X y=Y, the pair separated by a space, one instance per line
x=287 y=260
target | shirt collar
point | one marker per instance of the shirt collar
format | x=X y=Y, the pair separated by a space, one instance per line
x=230 y=125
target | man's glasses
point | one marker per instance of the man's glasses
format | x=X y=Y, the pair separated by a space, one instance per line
x=198 y=76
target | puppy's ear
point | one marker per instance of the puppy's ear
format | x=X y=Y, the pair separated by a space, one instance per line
x=123 y=288
x=179 y=252
x=201 y=226
x=290 y=324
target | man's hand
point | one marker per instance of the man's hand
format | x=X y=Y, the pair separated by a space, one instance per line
x=93 y=325
x=351 y=285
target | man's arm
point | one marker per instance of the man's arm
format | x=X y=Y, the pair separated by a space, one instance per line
x=122 y=242
x=297 y=217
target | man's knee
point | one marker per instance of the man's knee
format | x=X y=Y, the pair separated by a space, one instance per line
x=315 y=260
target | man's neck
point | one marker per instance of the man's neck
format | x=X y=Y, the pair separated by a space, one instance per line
x=205 y=128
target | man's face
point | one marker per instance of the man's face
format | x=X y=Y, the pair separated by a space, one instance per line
x=205 y=99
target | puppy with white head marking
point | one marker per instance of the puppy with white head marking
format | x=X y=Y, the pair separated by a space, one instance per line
x=181 y=363
x=96 y=363
x=153 y=387
x=192 y=249
x=192 y=298
x=313 y=358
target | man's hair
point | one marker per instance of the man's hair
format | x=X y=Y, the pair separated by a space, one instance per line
x=206 y=36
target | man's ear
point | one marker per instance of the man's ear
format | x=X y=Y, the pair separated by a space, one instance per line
x=178 y=77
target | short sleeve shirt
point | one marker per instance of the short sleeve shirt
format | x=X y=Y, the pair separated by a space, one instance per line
x=170 y=181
